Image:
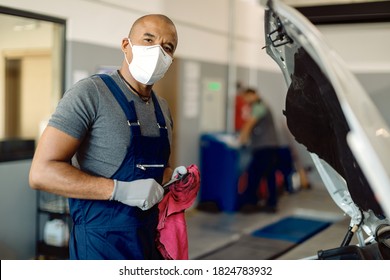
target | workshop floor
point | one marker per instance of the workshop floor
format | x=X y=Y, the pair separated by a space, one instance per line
x=209 y=232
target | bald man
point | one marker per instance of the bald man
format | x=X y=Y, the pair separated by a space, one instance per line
x=107 y=148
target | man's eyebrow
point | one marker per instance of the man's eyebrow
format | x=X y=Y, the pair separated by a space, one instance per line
x=171 y=45
x=150 y=35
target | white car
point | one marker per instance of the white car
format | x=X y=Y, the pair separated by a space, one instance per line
x=328 y=111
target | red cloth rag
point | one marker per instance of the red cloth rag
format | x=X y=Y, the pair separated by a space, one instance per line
x=172 y=240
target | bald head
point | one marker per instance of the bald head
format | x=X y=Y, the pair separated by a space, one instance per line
x=149 y=30
x=142 y=19
x=148 y=22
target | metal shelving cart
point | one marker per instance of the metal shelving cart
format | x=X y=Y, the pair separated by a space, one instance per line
x=53 y=224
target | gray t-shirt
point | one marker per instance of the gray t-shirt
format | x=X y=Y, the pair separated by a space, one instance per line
x=89 y=112
x=264 y=132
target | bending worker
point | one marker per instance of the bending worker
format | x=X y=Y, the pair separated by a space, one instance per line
x=259 y=133
x=107 y=148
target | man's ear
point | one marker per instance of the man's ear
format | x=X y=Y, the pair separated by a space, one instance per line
x=125 y=44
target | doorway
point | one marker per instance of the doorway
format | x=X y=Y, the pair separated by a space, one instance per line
x=31 y=72
x=28 y=97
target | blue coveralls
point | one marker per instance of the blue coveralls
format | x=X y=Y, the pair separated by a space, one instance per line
x=104 y=229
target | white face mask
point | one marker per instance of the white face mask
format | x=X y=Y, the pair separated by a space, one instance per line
x=149 y=63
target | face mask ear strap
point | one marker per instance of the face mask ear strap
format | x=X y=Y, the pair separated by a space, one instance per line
x=126 y=59
x=131 y=45
x=128 y=39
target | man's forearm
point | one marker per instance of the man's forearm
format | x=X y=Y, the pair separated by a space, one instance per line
x=63 y=179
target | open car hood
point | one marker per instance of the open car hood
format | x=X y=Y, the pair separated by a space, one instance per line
x=329 y=112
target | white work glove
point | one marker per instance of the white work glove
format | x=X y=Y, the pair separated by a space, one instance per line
x=142 y=193
x=178 y=172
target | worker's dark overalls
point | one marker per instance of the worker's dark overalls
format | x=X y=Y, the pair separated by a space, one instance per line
x=106 y=229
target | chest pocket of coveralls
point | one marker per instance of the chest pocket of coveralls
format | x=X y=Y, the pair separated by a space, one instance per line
x=146 y=156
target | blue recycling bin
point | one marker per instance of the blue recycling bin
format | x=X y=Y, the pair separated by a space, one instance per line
x=222 y=162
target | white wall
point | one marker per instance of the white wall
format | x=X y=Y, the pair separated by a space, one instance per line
x=203 y=25
x=206 y=32
x=204 y=29
x=364 y=47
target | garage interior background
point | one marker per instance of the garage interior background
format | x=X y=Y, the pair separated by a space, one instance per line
x=220 y=43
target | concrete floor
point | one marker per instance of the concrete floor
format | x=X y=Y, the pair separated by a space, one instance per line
x=208 y=232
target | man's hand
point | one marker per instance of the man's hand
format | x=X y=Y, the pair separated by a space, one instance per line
x=143 y=193
x=178 y=172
